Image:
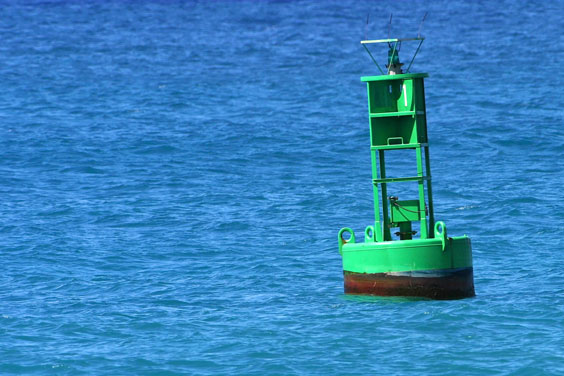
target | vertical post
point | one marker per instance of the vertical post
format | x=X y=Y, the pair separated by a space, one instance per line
x=391 y=58
x=377 y=221
x=429 y=193
x=428 y=169
x=386 y=229
x=405 y=231
x=421 y=184
x=378 y=236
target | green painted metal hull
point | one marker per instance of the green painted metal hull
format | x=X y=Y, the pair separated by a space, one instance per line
x=407 y=255
x=419 y=267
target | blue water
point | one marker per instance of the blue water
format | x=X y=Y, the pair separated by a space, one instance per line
x=173 y=177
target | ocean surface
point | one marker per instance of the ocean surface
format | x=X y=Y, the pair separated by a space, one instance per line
x=173 y=176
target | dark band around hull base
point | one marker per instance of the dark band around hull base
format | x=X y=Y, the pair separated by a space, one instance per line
x=434 y=284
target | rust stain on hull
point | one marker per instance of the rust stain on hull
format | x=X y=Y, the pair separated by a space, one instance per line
x=450 y=284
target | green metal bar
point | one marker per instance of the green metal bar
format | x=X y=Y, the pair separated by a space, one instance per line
x=399 y=146
x=393 y=52
x=405 y=231
x=428 y=170
x=398 y=180
x=390 y=114
x=429 y=192
x=416 y=51
x=377 y=221
x=424 y=228
x=378 y=236
x=386 y=229
x=376 y=192
x=374 y=60
x=393 y=77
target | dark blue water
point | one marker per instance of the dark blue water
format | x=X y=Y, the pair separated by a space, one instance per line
x=173 y=176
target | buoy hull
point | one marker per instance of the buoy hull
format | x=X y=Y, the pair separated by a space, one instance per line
x=434 y=284
x=429 y=268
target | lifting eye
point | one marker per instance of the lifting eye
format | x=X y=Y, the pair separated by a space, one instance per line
x=344 y=239
x=369 y=234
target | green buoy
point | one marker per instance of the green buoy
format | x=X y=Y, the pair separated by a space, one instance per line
x=433 y=265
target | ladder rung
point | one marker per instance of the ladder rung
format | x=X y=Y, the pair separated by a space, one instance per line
x=396 y=180
x=398 y=146
x=390 y=114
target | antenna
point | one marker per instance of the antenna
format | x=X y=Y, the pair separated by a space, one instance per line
x=390 y=26
x=366 y=26
x=421 y=25
x=394 y=44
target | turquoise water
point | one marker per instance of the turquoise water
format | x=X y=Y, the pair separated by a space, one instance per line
x=174 y=175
